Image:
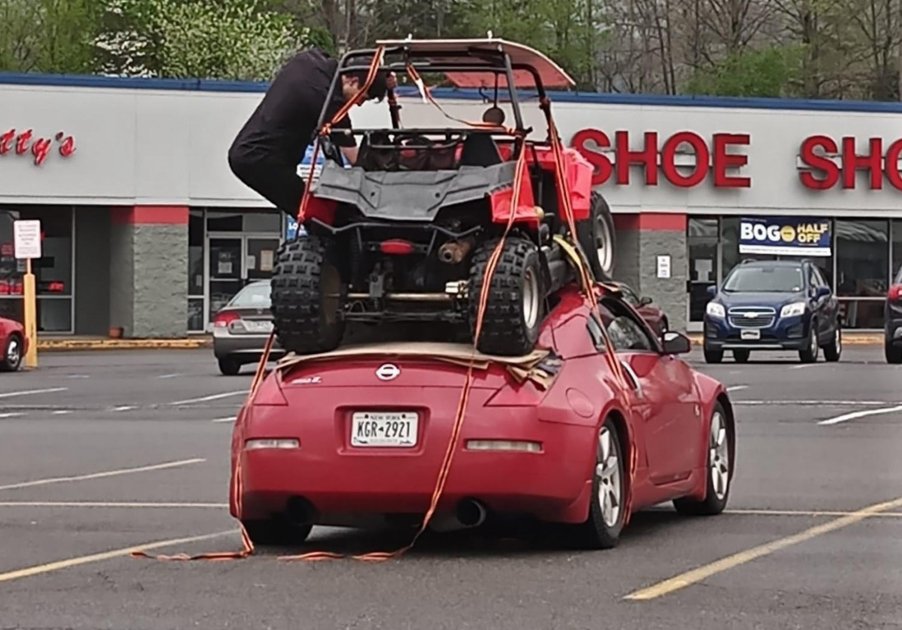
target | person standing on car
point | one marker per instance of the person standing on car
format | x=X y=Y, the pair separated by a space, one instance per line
x=266 y=152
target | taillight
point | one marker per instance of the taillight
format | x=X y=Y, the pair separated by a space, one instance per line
x=895 y=293
x=397 y=246
x=224 y=318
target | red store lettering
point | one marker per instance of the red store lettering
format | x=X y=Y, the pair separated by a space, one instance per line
x=25 y=142
x=707 y=158
x=818 y=153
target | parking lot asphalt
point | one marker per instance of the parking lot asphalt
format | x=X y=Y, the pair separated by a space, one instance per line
x=101 y=452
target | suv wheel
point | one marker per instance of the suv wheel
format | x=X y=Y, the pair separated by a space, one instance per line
x=833 y=350
x=713 y=356
x=810 y=353
x=893 y=353
x=741 y=356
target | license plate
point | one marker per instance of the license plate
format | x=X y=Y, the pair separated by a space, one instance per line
x=258 y=326
x=750 y=334
x=384 y=428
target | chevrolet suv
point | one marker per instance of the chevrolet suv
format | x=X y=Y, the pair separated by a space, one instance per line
x=773 y=305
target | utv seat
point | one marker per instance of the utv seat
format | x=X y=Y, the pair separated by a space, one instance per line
x=480 y=149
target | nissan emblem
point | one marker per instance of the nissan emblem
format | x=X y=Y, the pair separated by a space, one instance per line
x=387 y=372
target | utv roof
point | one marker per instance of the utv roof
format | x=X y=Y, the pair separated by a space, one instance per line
x=524 y=60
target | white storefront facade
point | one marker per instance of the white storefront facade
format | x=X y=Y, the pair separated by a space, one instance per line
x=146 y=228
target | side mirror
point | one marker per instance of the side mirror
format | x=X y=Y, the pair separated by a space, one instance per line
x=712 y=291
x=821 y=292
x=676 y=343
x=645 y=301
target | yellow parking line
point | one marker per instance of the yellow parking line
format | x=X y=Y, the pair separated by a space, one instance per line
x=697 y=575
x=110 y=504
x=98 y=557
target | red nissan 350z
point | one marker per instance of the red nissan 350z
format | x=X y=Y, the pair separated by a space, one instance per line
x=357 y=436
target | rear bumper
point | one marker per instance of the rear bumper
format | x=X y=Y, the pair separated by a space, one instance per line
x=248 y=346
x=345 y=485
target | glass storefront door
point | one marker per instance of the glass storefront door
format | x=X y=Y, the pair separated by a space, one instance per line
x=234 y=261
x=704 y=265
x=260 y=256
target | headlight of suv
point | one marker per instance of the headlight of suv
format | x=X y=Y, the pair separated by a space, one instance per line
x=791 y=310
x=715 y=310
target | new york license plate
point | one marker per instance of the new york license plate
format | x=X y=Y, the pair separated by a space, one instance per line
x=384 y=428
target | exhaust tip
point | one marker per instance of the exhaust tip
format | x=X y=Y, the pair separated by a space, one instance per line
x=300 y=511
x=471 y=513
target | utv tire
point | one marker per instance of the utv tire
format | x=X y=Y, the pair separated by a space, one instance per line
x=305 y=318
x=596 y=237
x=514 y=309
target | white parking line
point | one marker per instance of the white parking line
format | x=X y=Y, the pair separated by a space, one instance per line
x=123 y=408
x=210 y=397
x=10 y=415
x=28 y=392
x=804 y=366
x=61 y=412
x=859 y=414
x=736 y=388
x=108 y=473
x=821 y=403
x=229 y=419
x=170 y=375
x=112 y=504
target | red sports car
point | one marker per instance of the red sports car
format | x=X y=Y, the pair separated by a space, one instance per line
x=13 y=344
x=358 y=435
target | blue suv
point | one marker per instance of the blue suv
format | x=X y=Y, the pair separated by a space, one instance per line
x=773 y=305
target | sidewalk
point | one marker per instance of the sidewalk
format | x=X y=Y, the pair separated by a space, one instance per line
x=49 y=343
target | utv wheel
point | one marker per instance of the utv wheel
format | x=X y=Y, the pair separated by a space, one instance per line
x=719 y=471
x=606 y=509
x=11 y=359
x=514 y=309
x=811 y=351
x=276 y=532
x=305 y=312
x=596 y=237
x=833 y=350
x=713 y=356
x=893 y=353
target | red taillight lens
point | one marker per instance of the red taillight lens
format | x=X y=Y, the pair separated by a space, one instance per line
x=397 y=247
x=223 y=319
x=895 y=293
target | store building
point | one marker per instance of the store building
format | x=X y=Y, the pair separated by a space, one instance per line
x=146 y=228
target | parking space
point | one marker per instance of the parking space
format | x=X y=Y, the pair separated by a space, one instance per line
x=131 y=448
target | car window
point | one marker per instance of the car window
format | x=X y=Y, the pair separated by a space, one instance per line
x=252 y=296
x=765 y=280
x=627 y=333
x=629 y=295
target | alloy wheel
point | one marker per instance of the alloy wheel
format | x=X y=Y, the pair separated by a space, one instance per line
x=610 y=487
x=719 y=456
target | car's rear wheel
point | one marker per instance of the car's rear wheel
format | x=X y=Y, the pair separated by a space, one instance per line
x=606 y=509
x=597 y=239
x=719 y=469
x=810 y=352
x=713 y=356
x=229 y=366
x=892 y=352
x=741 y=356
x=515 y=306
x=12 y=354
x=276 y=532
x=833 y=350
x=305 y=302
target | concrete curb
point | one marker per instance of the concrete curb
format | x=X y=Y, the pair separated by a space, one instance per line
x=71 y=345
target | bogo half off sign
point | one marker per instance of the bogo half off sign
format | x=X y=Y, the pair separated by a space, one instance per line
x=27 y=238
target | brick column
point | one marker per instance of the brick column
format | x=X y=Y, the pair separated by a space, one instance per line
x=149 y=271
x=641 y=238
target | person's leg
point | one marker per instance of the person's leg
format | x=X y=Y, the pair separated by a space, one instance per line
x=275 y=181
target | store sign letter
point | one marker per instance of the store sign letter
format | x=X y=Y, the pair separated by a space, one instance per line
x=25 y=142
x=879 y=161
x=654 y=157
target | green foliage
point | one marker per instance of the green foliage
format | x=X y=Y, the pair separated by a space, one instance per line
x=47 y=35
x=752 y=73
x=221 y=39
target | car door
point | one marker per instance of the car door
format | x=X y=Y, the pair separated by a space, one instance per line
x=665 y=390
x=824 y=306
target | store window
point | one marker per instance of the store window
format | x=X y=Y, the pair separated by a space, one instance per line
x=862 y=270
x=196 y=271
x=704 y=258
x=53 y=272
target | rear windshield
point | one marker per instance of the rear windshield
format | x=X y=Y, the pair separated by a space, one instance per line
x=765 y=280
x=253 y=296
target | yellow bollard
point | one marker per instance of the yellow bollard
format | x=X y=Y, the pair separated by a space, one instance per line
x=31 y=325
